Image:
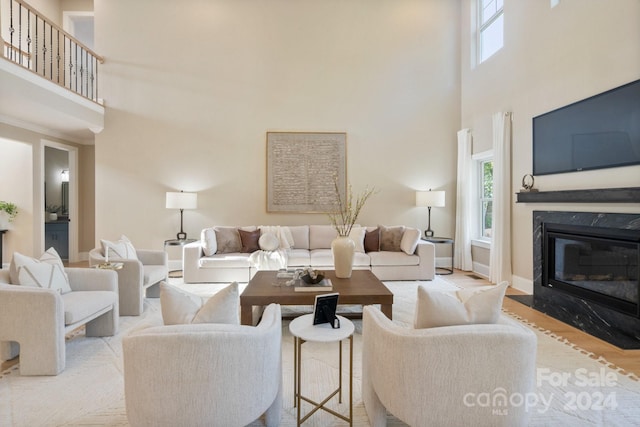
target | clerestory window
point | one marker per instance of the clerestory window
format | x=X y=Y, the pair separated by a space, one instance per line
x=490 y=28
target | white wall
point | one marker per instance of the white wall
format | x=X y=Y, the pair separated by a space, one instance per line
x=15 y=173
x=192 y=88
x=552 y=57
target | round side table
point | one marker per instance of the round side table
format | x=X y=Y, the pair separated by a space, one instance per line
x=173 y=243
x=444 y=241
x=303 y=330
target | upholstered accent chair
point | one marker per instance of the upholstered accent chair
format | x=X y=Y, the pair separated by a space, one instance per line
x=434 y=377
x=139 y=277
x=34 y=321
x=204 y=374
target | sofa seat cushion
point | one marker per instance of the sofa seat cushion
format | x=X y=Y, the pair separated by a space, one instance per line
x=299 y=258
x=231 y=260
x=79 y=305
x=323 y=258
x=393 y=258
x=153 y=274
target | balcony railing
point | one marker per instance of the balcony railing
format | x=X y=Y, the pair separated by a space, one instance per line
x=39 y=45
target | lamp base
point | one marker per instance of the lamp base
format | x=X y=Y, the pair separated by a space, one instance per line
x=181 y=236
x=428 y=233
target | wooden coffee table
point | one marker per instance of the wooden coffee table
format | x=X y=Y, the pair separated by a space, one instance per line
x=362 y=288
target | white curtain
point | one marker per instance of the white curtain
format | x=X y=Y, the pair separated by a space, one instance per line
x=500 y=260
x=462 y=255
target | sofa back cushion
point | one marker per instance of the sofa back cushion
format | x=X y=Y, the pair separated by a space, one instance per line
x=300 y=234
x=321 y=236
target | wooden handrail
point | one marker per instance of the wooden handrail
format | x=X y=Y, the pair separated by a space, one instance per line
x=54 y=25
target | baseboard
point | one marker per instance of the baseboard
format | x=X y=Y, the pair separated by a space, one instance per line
x=481 y=270
x=522 y=284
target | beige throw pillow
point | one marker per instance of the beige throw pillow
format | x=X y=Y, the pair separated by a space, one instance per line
x=268 y=242
x=357 y=235
x=181 y=307
x=208 y=239
x=46 y=272
x=409 y=241
x=120 y=249
x=464 y=307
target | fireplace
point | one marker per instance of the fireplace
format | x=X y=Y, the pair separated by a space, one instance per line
x=594 y=263
x=586 y=272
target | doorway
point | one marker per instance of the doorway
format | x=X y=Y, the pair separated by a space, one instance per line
x=59 y=199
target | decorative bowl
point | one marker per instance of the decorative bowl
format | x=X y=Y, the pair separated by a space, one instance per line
x=310 y=281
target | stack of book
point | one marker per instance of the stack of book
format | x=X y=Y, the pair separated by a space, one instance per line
x=322 y=286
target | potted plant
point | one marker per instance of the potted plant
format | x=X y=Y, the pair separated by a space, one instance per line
x=8 y=212
x=343 y=219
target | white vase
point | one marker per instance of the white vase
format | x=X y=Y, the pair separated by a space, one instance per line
x=343 y=249
x=4 y=220
x=53 y=216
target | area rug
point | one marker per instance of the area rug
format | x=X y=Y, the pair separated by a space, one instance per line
x=574 y=389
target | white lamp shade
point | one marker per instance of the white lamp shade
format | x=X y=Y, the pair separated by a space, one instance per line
x=182 y=200
x=434 y=199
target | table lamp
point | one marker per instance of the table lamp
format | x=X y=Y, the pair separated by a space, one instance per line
x=181 y=201
x=430 y=199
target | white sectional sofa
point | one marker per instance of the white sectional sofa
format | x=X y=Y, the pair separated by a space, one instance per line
x=310 y=246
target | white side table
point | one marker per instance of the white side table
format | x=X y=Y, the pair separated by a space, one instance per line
x=303 y=329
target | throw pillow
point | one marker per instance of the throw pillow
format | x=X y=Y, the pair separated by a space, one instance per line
x=228 y=240
x=372 y=240
x=46 y=272
x=464 y=307
x=410 y=239
x=180 y=307
x=268 y=242
x=209 y=244
x=120 y=249
x=357 y=235
x=249 y=240
x=390 y=238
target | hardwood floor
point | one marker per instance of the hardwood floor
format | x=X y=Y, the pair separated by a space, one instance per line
x=629 y=360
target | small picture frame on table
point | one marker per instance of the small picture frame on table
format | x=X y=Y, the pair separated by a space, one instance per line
x=324 y=310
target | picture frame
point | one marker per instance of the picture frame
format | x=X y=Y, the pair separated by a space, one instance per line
x=324 y=309
x=304 y=169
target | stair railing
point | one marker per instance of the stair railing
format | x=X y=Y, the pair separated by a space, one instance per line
x=36 y=43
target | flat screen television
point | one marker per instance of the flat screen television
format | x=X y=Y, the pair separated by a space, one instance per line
x=602 y=131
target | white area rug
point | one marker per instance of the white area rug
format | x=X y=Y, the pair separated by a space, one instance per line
x=573 y=390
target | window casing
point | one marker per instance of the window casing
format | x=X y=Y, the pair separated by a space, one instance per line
x=490 y=28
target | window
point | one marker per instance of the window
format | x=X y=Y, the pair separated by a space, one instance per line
x=490 y=19
x=483 y=198
x=486 y=198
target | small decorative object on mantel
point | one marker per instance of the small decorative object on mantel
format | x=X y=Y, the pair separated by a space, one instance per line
x=343 y=219
x=527 y=184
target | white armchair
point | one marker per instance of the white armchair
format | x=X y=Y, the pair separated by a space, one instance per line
x=433 y=376
x=34 y=321
x=137 y=278
x=204 y=374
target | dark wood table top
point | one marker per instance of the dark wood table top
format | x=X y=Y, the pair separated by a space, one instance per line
x=362 y=288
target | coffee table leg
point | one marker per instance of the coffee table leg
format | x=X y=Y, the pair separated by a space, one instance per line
x=246 y=315
x=387 y=309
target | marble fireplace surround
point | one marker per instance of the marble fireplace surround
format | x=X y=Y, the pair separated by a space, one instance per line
x=617 y=328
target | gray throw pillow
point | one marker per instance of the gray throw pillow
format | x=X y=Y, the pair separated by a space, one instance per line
x=228 y=240
x=390 y=238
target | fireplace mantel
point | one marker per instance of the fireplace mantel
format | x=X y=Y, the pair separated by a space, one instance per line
x=603 y=195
